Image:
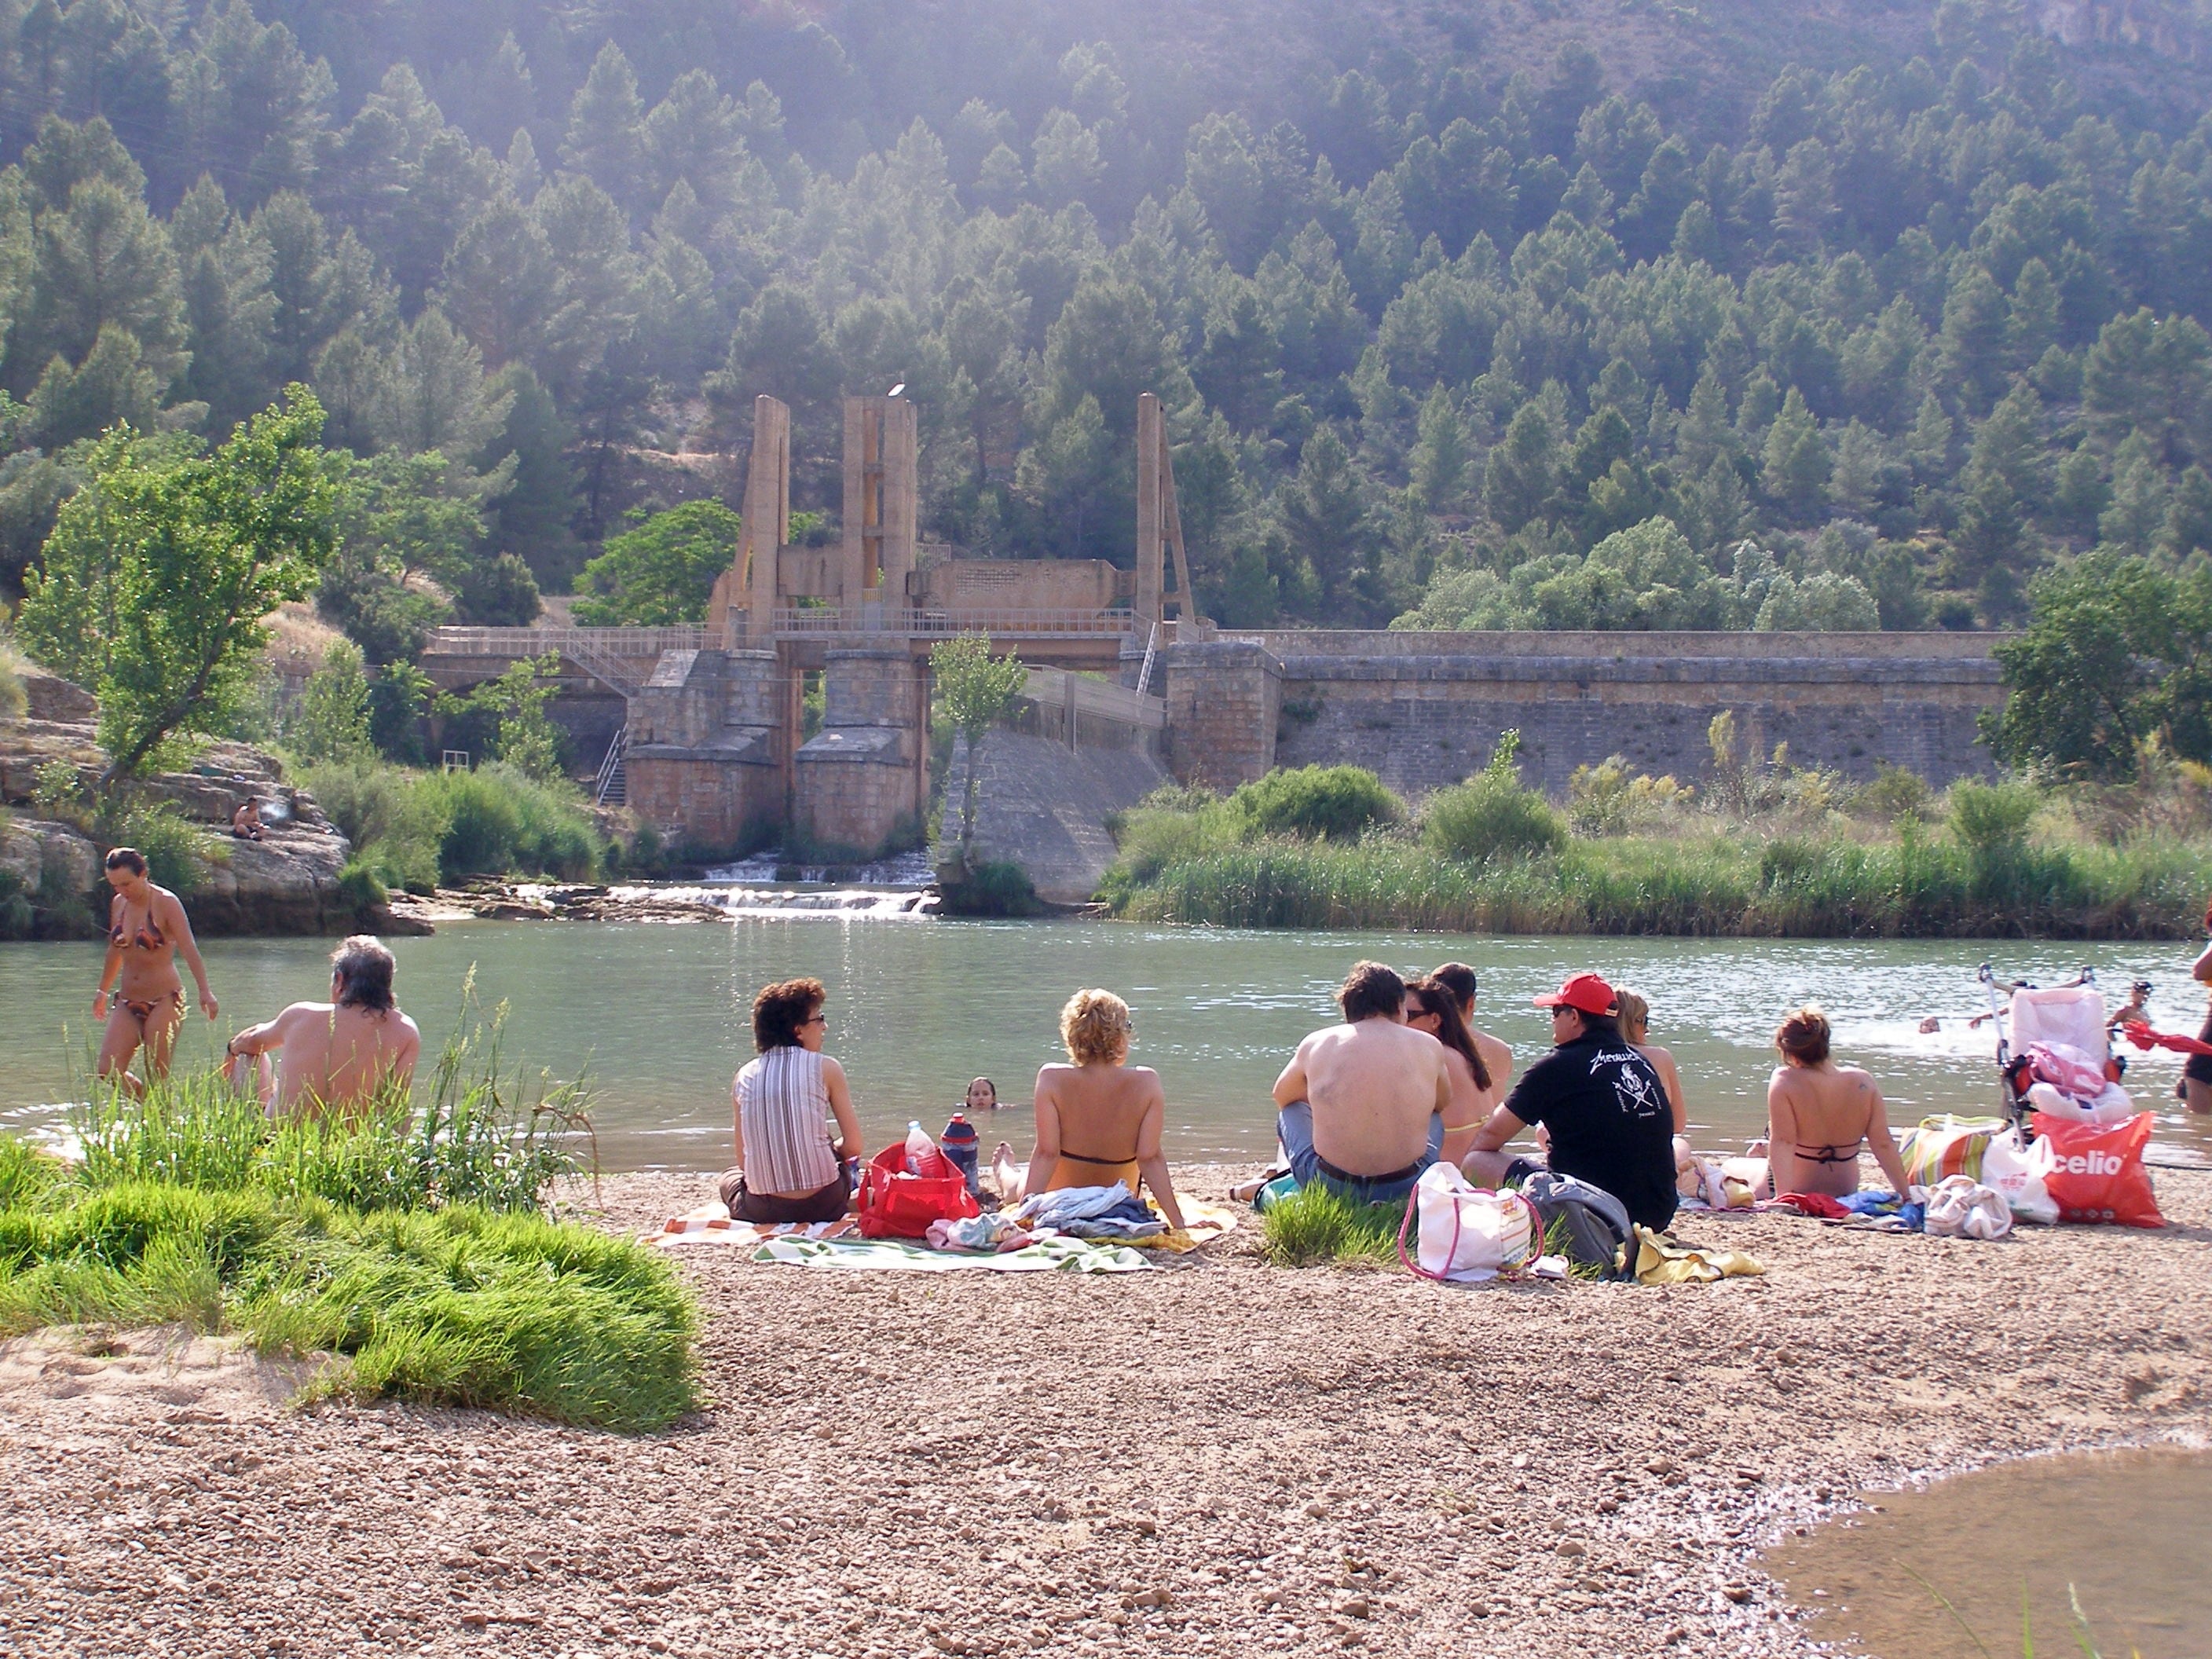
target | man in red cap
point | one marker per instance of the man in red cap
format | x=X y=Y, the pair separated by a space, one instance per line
x=1606 y=1110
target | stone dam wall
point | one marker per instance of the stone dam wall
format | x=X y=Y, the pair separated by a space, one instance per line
x=1423 y=710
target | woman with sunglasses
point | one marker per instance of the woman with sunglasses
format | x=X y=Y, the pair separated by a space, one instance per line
x=788 y=1167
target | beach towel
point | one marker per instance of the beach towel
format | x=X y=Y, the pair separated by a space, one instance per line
x=1064 y=1255
x=1663 y=1259
x=710 y=1223
x=1884 y=1212
x=2146 y=1039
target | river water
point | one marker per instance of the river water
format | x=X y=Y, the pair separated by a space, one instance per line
x=657 y=1015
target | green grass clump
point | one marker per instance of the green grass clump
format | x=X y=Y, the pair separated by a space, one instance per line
x=409 y=1242
x=1314 y=1226
x=457 y=1306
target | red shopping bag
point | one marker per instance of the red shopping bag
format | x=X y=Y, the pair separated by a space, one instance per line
x=2098 y=1175
x=896 y=1203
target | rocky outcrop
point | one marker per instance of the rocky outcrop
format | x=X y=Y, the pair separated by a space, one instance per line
x=2164 y=26
x=287 y=883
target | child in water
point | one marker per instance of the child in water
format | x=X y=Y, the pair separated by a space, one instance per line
x=983 y=1096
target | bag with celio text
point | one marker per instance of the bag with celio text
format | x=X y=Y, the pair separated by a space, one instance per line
x=2097 y=1175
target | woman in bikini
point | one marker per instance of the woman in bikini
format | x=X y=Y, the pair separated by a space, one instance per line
x=1431 y=1007
x=146 y=929
x=1098 y=1120
x=1819 y=1114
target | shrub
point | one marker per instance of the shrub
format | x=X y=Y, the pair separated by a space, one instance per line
x=1492 y=816
x=1894 y=794
x=15 y=702
x=396 y=825
x=991 y=890
x=178 y=851
x=1987 y=818
x=1314 y=803
x=499 y=820
x=360 y=888
x=1605 y=800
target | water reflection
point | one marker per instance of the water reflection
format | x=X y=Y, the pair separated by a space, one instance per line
x=659 y=1014
x=2123 y=1534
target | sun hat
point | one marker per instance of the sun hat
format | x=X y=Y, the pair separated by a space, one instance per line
x=1584 y=992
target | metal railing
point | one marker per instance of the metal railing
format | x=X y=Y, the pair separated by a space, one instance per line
x=1048 y=688
x=536 y=642
x=806 y=621
x=610 y=769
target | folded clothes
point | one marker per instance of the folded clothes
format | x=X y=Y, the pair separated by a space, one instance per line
x=1817 y=1204
x=1057 y=1209
x=1886 y=1212
x=976 y=1232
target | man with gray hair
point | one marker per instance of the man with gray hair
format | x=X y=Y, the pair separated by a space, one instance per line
x=335 y=1057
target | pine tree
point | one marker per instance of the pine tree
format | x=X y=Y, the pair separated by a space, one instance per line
x=1323 y=514
x=1971 y=348
x=1517 y=479
x=1440 y=457
x=1796 y=475
x=605 y=139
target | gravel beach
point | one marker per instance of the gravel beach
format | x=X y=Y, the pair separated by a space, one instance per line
x=1219 y=1457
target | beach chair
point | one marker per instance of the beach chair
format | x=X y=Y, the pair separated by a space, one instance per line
x=2028 y=1013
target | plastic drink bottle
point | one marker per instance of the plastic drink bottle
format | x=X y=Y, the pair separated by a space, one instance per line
x=959 y=1144
x=919 y=1148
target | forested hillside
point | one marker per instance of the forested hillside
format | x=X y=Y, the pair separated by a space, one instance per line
x=1497 y=312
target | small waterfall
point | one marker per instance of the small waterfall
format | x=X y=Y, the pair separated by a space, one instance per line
x=867 y=903
x=908 y=870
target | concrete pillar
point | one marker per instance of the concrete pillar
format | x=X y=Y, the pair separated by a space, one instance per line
x=767 y=515
x=703 y=761
x=881 y=504
x=1151 y=454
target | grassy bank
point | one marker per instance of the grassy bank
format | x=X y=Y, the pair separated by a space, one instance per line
x=410 y=1246
x=414 y=829
x=2009 y=860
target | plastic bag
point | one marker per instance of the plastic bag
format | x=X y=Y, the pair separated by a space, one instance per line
x=1946 y=1145
x=2098 y=1173
x=895 y=1203
x=2112 y=1105
x=2018 y=1174
x=1467 y=1233
x=1961 y=1208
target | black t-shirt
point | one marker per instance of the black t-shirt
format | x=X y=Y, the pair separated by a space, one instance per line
x=1610 y=1122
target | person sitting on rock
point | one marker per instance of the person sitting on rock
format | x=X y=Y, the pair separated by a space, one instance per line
x=1610 y=1122
x=788 y=1168
x=1113 y=1110
x=1362 y=1105
x=245 y=822
x=340 y=1057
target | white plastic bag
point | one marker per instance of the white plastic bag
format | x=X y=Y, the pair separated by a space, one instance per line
x=2113 y=1105
x=1960 y=1206
x=1468 y=1232
x=2015 y=1172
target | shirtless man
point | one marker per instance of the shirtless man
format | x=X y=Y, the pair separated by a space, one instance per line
x=336 y=1056
x=1363 y=1104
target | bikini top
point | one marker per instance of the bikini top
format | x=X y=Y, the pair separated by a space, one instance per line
x=150 y=935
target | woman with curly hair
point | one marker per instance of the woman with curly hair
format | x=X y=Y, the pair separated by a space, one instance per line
x=1098 y=1120
x=788 y=1167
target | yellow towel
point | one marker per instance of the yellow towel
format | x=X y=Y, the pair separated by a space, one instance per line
x=1202 y=1225
x=1663 y=1259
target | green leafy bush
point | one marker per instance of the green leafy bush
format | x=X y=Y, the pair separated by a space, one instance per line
x=1987 y=818
x=177 y=850
x=1331 y=803
x=1492 y=815
x=414 y=830
x=991 y=890
x=360 y=888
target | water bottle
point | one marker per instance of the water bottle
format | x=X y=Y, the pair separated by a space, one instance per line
x=959 y=1144
x=920 y=1150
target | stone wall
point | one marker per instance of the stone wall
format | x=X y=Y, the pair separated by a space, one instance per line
x=1423 y=710
x=861 y=786
x=703 y=761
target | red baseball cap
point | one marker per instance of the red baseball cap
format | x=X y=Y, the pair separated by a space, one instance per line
x=1584 y=992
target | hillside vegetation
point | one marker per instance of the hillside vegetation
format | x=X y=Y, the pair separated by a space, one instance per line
x=1531 y=312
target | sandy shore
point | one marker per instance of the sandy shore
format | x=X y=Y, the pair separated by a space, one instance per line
x=1216 y=1459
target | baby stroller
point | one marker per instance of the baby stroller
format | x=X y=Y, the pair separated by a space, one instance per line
x=2068 y=1023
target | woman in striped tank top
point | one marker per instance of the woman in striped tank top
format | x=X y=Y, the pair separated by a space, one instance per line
x=788 y=1167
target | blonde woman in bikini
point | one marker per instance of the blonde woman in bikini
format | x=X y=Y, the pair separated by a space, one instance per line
x=147 y=929
x=1098 y=1121
x=1819 y=1114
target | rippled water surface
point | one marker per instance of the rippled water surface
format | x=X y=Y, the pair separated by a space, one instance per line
x=657 y=1014
x=2122 y=1536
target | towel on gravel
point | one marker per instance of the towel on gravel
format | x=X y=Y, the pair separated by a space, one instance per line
x=1065 y=1256
x=1663 y=1259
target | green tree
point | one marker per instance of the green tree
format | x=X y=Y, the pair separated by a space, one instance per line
x=1439 y=462
x=1517 y=478
x=2117 y=650
x=523 y=736
x=1328 y=529
x=662 y=572
x=975 y=689
x=1798 y=461
x=154 y=585
x=332 y=721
